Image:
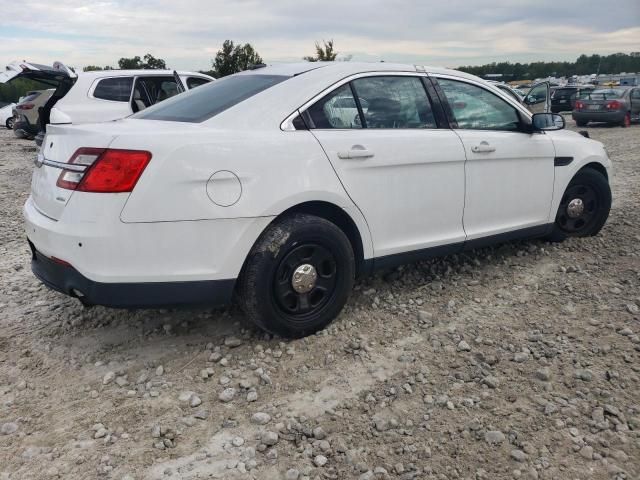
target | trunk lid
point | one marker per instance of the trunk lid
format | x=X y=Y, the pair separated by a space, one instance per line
x=59 y=144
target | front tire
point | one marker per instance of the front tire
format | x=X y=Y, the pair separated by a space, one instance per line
x=298 y=276
x=584 y=207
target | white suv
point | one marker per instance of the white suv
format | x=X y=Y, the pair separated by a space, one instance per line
x=259 y=184
x=100 y=96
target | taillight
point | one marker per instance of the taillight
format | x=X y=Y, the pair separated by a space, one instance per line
x=104 y=170
x=579 y=105
x=613 y=105
x=25 y=106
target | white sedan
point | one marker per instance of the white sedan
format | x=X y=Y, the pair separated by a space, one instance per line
x=257 y=185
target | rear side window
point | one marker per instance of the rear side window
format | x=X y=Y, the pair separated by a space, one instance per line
x=115 y=89
x=394 y=102
x=193 y=82
x=209 y=100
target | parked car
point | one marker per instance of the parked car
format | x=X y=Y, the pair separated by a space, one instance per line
x=250 y=185
x=536 y=100
x=26 y=113
x=563 y=99
x=6 y=115
x=101 y=96
x=515 y=93
x=617 y=105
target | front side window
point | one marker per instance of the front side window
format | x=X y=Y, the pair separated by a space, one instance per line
x=209 y=100
x=475 y=108
x=394 y=102
x=338 y=109
x=115 y=89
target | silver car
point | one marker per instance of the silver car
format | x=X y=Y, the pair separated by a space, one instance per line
x=616 y=105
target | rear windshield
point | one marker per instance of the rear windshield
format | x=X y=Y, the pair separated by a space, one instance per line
x=605 y=94
x=209 y=100
x=30 y=97
x=565 y=91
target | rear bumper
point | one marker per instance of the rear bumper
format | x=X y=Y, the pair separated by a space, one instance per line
x=609 y=117
x=66 y=279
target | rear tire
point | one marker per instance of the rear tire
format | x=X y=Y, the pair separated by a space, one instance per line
x=581 y=124
x=9 y=123
x=584 y=207
x=297 y=246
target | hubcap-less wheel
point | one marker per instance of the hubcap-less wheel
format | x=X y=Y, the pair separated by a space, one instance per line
x=305 y=280
x=577 y=208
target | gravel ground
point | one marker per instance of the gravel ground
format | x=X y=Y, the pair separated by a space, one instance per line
x=519 y=361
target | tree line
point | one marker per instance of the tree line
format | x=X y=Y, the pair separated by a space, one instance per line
x=233 y=58
x=584 y=65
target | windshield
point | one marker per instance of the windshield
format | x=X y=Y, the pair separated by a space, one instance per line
x=604 y=94
x=209 y=100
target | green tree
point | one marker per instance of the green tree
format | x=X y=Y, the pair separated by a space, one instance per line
x=233 y=58
x=92 y=68
x=324 y=53
x=136 y=63
x=151 y=62
x=584 y=65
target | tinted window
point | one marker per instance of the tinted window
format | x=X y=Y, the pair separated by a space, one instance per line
x=209 y=100
x=30 y=97
x=394 y=102
x=336 y=110
x=605 y=94
x=193 y=82
x=115 y=89
x=475 y=108
x=635 y=94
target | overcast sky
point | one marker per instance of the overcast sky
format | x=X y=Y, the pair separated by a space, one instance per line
x=187 y=33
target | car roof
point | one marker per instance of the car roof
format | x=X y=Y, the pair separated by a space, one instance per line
x=349 y=68
x=127 y=73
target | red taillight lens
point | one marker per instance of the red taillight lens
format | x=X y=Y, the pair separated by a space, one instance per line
x=614 y=105
x=579 y=106
x=108 y=171
x=25 y=106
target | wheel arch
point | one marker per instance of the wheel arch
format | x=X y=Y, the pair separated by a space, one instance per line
x=338 y=216
x=598 y=167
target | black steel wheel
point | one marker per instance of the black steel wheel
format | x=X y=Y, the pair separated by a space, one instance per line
x=584 y=207
x=298 y=276
x=305 y=280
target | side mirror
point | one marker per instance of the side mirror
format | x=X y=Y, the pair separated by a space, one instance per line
x=547 y=121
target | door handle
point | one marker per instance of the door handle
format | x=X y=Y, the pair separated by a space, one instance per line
x=484 y=147
x=357 y=151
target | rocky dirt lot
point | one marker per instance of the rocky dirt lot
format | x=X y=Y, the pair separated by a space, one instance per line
x=520 y=361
